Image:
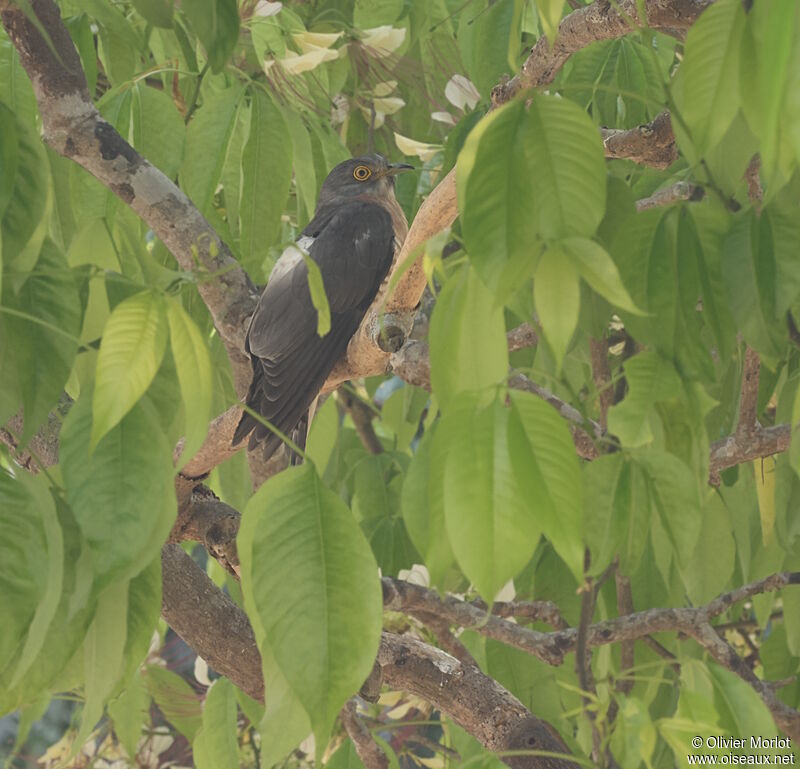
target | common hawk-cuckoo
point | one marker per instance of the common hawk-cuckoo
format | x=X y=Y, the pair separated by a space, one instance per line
x=356 y=228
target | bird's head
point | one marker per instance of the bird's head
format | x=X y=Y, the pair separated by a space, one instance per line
x=371 y=175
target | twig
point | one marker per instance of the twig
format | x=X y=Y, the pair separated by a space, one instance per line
x=362 y=421
x=533 y=611
x=627 y=648
x=583 y=657
x=367 y=749
x=672 y=194
x=601 y=374
x=440 y=627
x=748 y=400
x=752 y=176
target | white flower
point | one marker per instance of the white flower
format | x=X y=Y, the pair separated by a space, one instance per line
x=201 y=671
x=311 y=41
x=266 y=8
x=411 y=147
x=383 y=40
x=416 y=575
x=443 y=117
x=294 y=63
x=384 y=89
x=389 y=105
x=152 y=746
x=506 y=593
x=461 y=93
x=340 y=109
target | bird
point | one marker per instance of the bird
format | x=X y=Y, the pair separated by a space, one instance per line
x=358 y=226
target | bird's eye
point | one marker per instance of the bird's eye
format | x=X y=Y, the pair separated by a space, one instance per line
x=361 y=173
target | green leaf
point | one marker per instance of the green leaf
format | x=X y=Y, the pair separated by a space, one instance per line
x=597 y=268
x=550 y=16
x=128 y=713
x=749 y=271
x=650 y=379
x=634 y=738
x=323 y=434
x=285 y=723
x=47 y=605
x=615 y=513
x=267 y=173
x=422 y=505
x=467 y=338
x=548 y=475
x=784 y=227
x=159 y=133
x=193 y=366
x=23 y=226
x=492 y=531
x=706 y=89
x=373 y=13
x=742 y=710
x=48 y=317
x=316 y=287
x=620 y=82
x=675 y=495
x=176 y=699
x=9 y=146
x=216 y=745
x=122 y=494
x=31 y=565
x=774 y=31
x=157 y=12
x=144 y=610
x=207 y=139
x=564 y=156
x=311 y=554
x=495 y=190
x=216 y=23
x=485 y=45
x=709 y=570
x=134 y=340
x=556 y=293
x=103 y=652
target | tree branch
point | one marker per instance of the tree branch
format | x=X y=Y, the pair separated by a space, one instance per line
x=367 y=749
x=220 y=632
x=651 y=144
x=748 y=399
x=668 y=195
x=602 y=20
x=74 y=128
x=553 y=646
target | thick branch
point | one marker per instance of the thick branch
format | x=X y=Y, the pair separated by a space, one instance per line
x=74 y=128
x=219 y=631
x=473 y=700
x=602 y=20
x=213 y=625
x=761 y=442
x=651 y=144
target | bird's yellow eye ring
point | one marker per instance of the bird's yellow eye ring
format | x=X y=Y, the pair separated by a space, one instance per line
x=361 y=173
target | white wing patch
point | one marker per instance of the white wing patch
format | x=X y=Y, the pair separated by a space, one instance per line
x=291 y=257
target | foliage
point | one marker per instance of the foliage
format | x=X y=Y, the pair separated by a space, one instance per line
x=248 y=108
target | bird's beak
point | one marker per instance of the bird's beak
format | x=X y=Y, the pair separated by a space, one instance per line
x=397 y=168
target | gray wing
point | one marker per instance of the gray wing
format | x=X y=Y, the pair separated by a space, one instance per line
x=290 y=360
